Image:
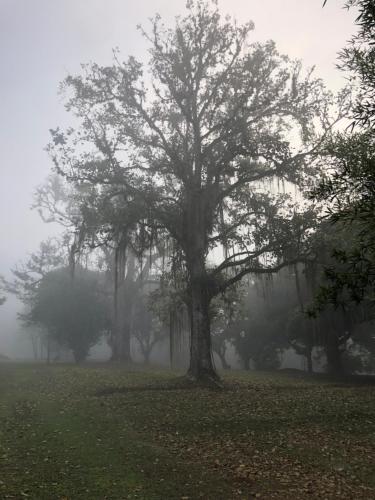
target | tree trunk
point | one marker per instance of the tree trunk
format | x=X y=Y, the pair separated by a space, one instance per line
x=201 y=363
x=124 y=354
x=309 y=361
x=222 y=359
x=309 y=346
x=146 y=356
x=116 y=343
x=309 y=349
x=122 y=331
x=48 y=350
x=333 y=354
x=120 y=344
x=34 y=343
x=123 y=303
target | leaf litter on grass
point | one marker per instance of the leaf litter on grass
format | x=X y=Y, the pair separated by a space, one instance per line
x=102 y=432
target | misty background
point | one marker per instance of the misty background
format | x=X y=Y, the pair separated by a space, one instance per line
x=41 y=41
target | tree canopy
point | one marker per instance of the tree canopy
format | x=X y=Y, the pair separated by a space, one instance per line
x=73 y=311
x=190 y=143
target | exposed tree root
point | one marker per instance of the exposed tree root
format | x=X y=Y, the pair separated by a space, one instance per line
x=209 y=380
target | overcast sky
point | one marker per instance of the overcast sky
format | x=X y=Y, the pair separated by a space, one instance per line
x=41 y=41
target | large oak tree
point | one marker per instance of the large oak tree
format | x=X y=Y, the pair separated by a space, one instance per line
x=194 y=141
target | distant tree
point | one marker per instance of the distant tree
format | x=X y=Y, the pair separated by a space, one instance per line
x=362 y=349
x=90 y=222
x=102 y=224
x=226 y=310
x=27 y=275
x=295 y=286
x=194 y=147
x=72 y=310
x=300 y=336
x=147 y=329
x=2 y=299
x=220 y=339
x=167 y=303
x=257 y=341
x=259 y=332
x=334 y=310
x=24 y=283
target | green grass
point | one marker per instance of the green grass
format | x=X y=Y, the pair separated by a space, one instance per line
x=102 y=432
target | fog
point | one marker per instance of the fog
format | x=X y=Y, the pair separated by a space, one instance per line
x=187 y=260
x=42 y=41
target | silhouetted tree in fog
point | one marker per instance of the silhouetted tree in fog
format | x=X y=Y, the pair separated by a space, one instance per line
x=72 y=310
x=192 y=143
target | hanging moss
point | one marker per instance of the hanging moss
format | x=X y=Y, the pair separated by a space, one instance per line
x=76 y=248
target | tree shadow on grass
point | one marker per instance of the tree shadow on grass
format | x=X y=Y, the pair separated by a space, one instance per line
x=176 y=384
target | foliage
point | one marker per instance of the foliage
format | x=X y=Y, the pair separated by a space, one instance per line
x=259 y=332
x=147 y=328
x=349 y=194
x=358 y=57
x=27 y=275
x=257 y=341
x=348 y=186
x=104 y=227
x=331 y=314
x=226 y=311
x=71 y=309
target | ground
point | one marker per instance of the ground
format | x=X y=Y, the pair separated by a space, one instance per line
x=102 y=432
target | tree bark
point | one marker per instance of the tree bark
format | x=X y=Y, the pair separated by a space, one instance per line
x=201 y=361
x=309 y=335
x=122 y=334
x=201 y=365
x=123 y=305
x=120 y=343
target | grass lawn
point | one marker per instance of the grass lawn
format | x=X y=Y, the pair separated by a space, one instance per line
x=102 y=432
